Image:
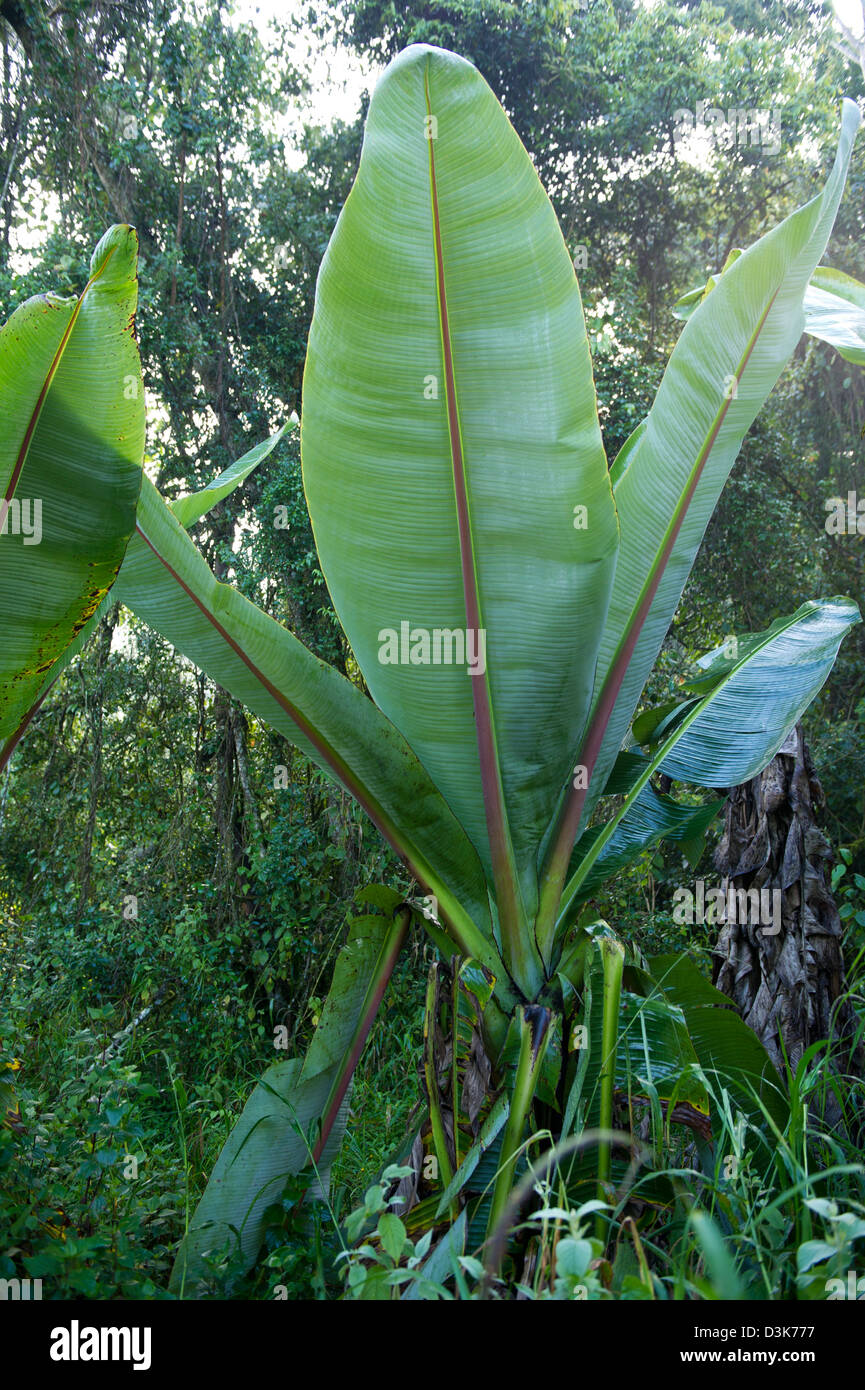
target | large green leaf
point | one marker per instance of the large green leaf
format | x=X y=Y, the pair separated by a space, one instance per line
x=655 y=1058
x=755 y=699
x=834 y=305
x=650 y=818
x=449 y=432
x=271 y=1142
x=70 y=451
x=167 y=583
x=734 y=725
x=187 y=510
x=296 y=1116
x=726 y=361
x=729 y=1052
x=835 y=312
x=194 y=505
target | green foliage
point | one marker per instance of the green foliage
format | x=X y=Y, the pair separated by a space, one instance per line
x=91 y=1187
x=141 y=782
x=387 y=1259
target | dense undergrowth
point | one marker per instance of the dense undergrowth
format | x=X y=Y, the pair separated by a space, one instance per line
x=128 y=1047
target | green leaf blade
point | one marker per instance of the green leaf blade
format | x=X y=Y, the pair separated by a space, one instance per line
x=729 y=356
x=377 y=454
x=71 y=392
x=166 y=582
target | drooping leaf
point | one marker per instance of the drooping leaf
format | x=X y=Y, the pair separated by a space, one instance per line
x=272 y=1140
x=167 y=583
x=295 y=1117
x=747 y=706
x=196 y=504
x=834 y=307
x=728 y=1051
x=757 y=698
x=71 y=450
x=835 y=312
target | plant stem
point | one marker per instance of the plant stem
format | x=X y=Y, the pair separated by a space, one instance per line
x=439 y=1138
x=455 y=1029
x=534 y=1034
x=613 y=959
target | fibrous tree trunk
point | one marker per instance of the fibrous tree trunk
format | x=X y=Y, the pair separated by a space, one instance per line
x=788 y=983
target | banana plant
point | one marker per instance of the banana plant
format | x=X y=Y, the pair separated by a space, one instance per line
x=505 y=589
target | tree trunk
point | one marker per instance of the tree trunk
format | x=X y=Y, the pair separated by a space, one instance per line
x=788 y=984
x=94 y=713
